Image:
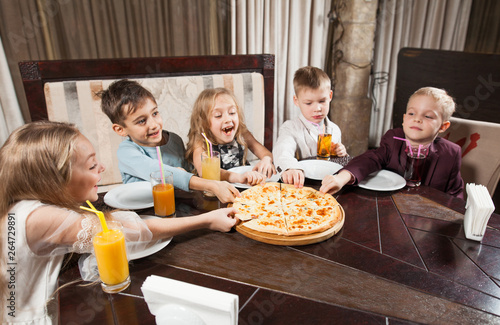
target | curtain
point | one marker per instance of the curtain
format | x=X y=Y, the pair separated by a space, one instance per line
x=410 y=23
x=484 y=27
x=294 y=31
x=94 y=29
x=10 y=113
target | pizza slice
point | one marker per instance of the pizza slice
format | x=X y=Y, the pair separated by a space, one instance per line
x=268 y=219
x=314 y=199
x=291 y=194
x=248 y=210
x=303 y=220
x=261 y=194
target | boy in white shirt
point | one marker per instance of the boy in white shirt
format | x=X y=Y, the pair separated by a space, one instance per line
x=298 y=138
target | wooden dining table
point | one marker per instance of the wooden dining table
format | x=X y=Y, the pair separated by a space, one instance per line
x=401 y=257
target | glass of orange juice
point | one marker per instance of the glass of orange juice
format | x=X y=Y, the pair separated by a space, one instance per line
x=163 y=193
x=324 y=143
x=210 y=167
x=111 y=256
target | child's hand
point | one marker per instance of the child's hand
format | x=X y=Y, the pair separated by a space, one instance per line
x=333 y=183
x=293 y=176
x=265 y=166
x=253 y=178
x=225 y=192
x=340 y=150
x=222 y=219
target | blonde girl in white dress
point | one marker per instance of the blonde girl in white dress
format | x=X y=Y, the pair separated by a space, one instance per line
x=48 y=170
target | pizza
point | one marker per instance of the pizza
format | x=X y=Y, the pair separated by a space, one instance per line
x=285 y=210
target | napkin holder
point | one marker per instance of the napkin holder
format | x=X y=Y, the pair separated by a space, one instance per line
x=209 y=306
x=478 y=211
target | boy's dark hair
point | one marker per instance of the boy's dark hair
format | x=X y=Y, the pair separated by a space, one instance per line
x=122 y=98
x=312 y=78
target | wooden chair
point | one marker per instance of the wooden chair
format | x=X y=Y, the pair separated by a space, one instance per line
x=66 y=91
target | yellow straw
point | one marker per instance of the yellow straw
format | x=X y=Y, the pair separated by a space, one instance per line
x=99 y=214
x=208 y=145
x=90 y=205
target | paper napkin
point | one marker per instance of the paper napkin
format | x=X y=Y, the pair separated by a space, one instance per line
x=479 y=208
x=171 y=300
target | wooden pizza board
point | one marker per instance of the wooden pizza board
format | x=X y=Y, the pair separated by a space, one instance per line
x=299 y=240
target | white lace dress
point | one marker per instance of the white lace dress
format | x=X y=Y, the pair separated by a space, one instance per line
x=33 y=251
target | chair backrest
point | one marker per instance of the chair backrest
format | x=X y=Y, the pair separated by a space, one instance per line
x=480 y=154
x=66 y=91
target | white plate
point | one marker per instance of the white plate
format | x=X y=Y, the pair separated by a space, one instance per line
x=318 y=169
x=383 y=180
x=150 y=250
x=132 y=196
x=244 y=169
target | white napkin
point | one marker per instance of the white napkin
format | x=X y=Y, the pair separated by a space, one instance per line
x=479 y=208
x=177 y=302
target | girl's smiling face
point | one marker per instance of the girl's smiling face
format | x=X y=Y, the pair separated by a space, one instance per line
x=224 y=119
x=85 y=172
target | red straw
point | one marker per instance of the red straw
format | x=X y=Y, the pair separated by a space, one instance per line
x=418 y=153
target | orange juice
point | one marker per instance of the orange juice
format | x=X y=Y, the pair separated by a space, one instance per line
x=111 y=256
x=164 y=200
x=324 y=144
x=210 y=166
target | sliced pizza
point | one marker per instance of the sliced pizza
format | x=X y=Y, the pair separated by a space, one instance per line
x=287 y=210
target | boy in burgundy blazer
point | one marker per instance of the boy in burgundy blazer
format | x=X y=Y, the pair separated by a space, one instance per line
x=427 y=114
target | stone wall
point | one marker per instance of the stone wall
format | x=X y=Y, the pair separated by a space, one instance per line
x=351 y=107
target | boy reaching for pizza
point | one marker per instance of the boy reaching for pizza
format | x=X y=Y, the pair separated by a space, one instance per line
x=298 y=138
x=427 y=114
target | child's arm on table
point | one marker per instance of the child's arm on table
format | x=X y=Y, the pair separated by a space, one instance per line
x=265 y=165
x=219 y=220
x=333 y=183
x=53 y=230
x=250 y=177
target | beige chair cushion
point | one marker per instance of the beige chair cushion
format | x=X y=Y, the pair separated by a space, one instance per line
x=480 y=154
x=75 y=102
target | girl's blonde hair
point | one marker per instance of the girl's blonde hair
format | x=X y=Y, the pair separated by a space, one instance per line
x=200 y=121
x=36 y=164
x=444 y=101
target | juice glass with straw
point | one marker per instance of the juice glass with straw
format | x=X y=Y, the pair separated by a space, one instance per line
x=111 y=255
x=210 y=164
x=163 y=193
x=324 y=143
x=210 y=167
x=414 y=168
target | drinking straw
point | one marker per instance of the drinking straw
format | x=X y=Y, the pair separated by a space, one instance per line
x=419 y=147
x=403 y=139
x=99 y=214
x=90 y=205
x=317 y=125
x=161 y=164
x=209 y=145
